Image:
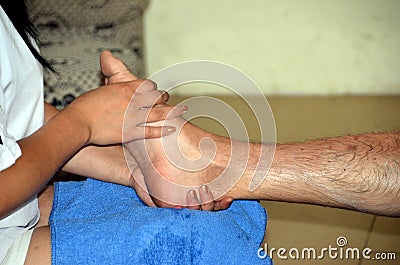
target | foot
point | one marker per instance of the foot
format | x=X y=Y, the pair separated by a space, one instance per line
x=184 y=161
x=172 y=166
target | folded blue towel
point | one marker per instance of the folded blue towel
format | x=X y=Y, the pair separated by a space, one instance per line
x=95 y=222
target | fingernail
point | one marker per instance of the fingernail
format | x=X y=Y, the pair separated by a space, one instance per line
x=192 y=195
x=182 y=109
x=171 y=129
x=167 y=130
x=205 y=190
x=154 y=84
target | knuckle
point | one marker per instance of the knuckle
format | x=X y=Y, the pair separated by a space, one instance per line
x=147 y=85
x=164 y=96
x=157 y=113
x=135 y=85
x=149 y=132
x=152 y=83
x=155 y=96
x=168 y=110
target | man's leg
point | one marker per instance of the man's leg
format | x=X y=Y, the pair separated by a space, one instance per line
x=360 y=172
x=353 y=172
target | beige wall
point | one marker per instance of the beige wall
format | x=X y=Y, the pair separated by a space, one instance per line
x=287 y=47
x=308 y=47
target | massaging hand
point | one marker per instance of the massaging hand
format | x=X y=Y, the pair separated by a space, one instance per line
x=104 y=110
x=115 y=71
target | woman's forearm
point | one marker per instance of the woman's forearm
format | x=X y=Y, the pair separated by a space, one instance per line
x=105 y=163
x=49 y=112
x=42 y=154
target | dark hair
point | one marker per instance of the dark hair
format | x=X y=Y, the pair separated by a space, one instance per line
x=18 y=14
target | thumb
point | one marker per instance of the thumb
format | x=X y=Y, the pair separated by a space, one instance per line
x=114 y=69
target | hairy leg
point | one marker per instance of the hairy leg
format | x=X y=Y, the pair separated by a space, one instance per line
x=358 y=172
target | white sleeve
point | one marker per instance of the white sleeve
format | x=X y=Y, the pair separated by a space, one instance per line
x=9 y=148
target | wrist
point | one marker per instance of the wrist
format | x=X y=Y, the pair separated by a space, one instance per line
x=75 y=121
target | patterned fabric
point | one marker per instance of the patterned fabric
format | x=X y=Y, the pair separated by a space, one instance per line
x=74 y=32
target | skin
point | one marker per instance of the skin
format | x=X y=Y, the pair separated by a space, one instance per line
x=105 y=163
x=75 y=127
x=352 y=172
x=71 y=129
x=116 y=71
x=359 y=172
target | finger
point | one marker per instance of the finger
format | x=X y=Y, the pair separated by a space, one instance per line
x=162 y=99
x=223 y=204
x=146 y=86
x=150 y=98
x=206 y=198
x=114 y=69
x=163 y=113
x=192 y=200
x=155 y=131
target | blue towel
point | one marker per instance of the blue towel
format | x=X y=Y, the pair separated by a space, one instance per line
x=94 y=222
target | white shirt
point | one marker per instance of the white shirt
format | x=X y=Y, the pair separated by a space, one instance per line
x=21 y=114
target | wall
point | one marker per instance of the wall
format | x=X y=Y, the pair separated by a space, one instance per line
x=295 y=50
x=307 y=47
